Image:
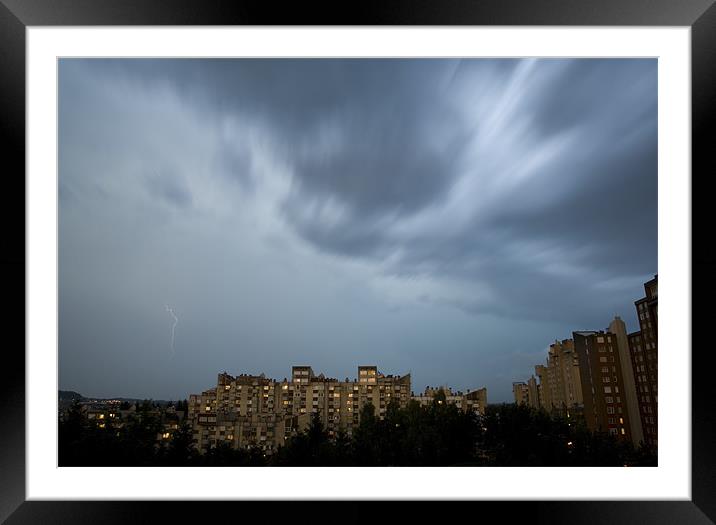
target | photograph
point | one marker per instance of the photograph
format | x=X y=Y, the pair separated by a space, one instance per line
x=411 y=253
x=357 y=261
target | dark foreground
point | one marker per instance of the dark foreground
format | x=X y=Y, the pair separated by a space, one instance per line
x=438 y=435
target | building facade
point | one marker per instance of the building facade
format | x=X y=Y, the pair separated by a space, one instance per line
x=521 y=392
x=256 y=411
x=533 y=392
x=563 y=377
x=474 y=401
x=644 y=349
x=618 y=327
x=605 y=406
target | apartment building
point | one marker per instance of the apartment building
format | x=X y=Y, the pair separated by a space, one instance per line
x=474 y=401
x=618 y=327
x=521 y=392
x=602 y=381
x=563 y=377
x=249 y=410
x=533 y=392
x=643 y=350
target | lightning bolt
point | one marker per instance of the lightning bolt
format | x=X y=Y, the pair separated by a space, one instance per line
x=176 y=320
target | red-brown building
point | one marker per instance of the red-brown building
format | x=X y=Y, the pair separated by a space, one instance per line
x=643 y=348
x=603 y=390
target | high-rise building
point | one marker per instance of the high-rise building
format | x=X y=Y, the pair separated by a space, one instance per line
x=560 y=388
x=618 y=328
x=249 y=410
x=603 y=388
x=643 y=346
x=564 y=366
x=533 y=392
x=521 y=392
x=545 y=392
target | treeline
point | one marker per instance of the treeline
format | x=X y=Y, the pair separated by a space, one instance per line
x=435 y=435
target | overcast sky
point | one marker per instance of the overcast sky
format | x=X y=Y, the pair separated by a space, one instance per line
x=448 y=218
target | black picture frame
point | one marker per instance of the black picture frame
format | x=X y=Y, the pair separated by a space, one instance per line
x=16 y=15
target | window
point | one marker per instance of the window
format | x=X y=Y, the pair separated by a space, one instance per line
x=605 y=379
x=609 y=399
x=607 y=390
x=603 y=359
x=610 y=410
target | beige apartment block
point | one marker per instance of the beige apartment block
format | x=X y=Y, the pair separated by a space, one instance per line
x=533 y=392
x=563 y=378
x=521 y=392
x=618 y=327
x=256 y=411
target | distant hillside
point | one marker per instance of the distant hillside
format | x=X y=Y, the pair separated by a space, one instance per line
x=70 y=395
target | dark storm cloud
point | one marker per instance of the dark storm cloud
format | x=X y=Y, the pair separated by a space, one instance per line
x=376 y=141
x=509 y=190
x=380 y=136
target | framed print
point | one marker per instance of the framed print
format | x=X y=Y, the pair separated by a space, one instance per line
x=299 y=193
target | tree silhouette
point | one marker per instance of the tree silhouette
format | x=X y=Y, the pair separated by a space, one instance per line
x=415 y=435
